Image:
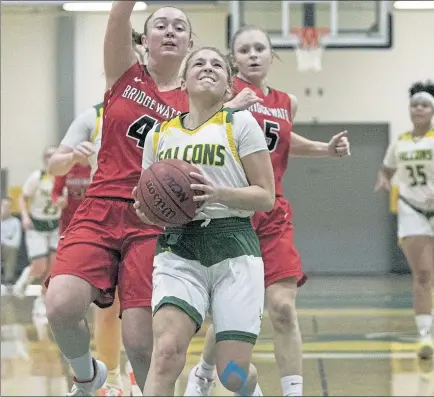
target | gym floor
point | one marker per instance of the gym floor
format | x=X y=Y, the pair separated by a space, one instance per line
x=358 y=332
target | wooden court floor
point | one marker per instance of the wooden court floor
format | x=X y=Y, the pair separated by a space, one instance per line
x=358 y=334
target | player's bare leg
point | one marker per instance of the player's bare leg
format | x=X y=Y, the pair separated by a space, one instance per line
x=419 y=251
x=108 y=344
x=234 y=368
x=287 y=337
x=173 y=330
x=138 y=341
x=67 y=301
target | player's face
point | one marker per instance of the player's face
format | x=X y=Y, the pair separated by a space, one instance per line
x=207 y=73
x=421 y=111
x=252 y=55
x=168 y=34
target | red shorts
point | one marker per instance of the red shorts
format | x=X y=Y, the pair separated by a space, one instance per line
x=107 y=245
x=276 y=237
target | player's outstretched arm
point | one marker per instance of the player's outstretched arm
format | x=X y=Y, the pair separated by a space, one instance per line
x=338 y=146
x=118 y=50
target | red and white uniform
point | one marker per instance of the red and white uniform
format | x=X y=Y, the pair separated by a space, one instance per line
x=275 y=229
x=106 y=243
x=76 y=182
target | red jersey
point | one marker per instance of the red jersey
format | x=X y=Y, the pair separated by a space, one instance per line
x=132 y=107
x=274 y=117
x=76 y=181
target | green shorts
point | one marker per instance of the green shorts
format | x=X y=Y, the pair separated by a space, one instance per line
x=217 y=267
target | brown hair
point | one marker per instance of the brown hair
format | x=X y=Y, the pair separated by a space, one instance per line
x=218 y=52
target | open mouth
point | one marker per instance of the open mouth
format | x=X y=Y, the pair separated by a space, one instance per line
x=208 y=78
x=169 y=44
x=254 y=65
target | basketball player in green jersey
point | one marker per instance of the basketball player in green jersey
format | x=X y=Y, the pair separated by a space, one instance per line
x=190 y=276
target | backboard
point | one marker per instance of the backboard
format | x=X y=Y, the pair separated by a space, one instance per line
x=351 y=24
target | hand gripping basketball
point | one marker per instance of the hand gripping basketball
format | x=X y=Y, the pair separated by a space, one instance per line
x=136 y=206
x=210 y=193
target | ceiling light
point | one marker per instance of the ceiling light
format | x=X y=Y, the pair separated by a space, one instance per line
x=414 y=5
x=83 y=6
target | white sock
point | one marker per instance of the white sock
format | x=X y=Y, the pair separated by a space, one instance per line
x=82 y=367
x=205 y=370
x=424 y=324
x=114 y=377
x=24 y=280
x=292 y=385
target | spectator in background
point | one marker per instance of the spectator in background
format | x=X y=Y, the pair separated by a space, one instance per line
x=10 y=240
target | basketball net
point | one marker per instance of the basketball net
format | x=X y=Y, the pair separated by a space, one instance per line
x=309 y=48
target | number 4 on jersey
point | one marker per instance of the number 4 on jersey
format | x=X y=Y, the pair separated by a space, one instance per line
x=271 y=130
x=140 y=128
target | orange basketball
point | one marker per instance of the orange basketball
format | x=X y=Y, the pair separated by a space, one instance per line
x=165 y=195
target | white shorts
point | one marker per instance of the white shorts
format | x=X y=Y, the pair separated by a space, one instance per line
x=41 y=244
x=232 y=290
x=412 y=223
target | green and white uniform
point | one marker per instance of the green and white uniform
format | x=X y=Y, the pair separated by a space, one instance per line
x=214 y=262
x=413 y=159
x=87 y=127
x=43 y=238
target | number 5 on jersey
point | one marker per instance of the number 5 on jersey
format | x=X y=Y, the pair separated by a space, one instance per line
x=271 y=130
x=140 y=128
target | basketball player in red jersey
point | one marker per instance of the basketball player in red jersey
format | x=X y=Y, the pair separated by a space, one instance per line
x=76 y=182
x=252 y=56
x=106 y=244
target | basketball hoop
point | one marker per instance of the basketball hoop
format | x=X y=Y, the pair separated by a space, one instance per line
x=309 y=48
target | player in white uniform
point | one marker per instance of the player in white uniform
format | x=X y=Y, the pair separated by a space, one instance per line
x=213 y=262
x=410 y=160
x=40 y=219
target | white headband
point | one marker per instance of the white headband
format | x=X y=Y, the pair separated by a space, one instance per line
x=426 y=96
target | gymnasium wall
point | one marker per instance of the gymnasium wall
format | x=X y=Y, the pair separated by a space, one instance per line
x=358 y=85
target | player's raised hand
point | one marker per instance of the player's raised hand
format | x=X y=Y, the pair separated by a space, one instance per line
x=82 y=152
x=210 y=193
x=136 y=206
x=244 y=99
x=339 y=145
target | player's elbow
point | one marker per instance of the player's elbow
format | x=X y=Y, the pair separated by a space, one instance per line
x=268 y=200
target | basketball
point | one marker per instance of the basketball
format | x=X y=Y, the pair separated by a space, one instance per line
x=165 y=195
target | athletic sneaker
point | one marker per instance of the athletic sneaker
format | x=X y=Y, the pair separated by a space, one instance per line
x=197 y=385
x=88 y=388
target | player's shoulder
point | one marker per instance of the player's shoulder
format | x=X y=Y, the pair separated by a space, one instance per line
x=98 y=108
x=174 y=121
x=430 y=134
x=406 y=136
x=37 y=175
x=232 y=115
